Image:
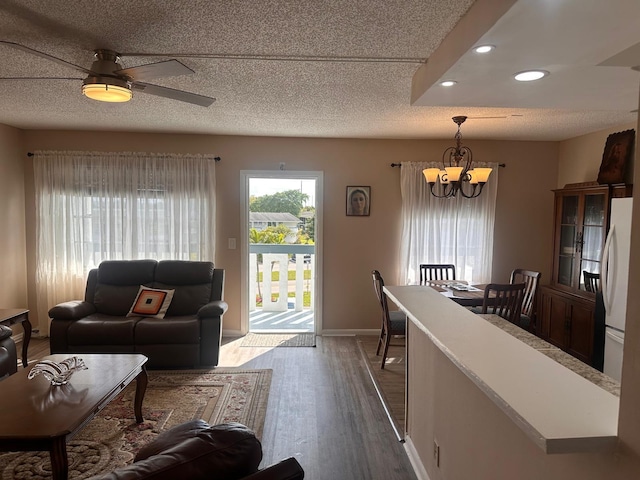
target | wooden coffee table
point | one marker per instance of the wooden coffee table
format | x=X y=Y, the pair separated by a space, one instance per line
x=35 y=416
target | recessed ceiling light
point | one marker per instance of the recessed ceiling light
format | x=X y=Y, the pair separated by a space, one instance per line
x=483 y=48
x=448 y=83
x=530 y=75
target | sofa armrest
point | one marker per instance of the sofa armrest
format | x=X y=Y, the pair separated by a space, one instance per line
x=288 y=469
x=73 y=310
x=213 y=309
x=5 y=332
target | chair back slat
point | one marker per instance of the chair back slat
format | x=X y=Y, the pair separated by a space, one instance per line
x=591 y=281
x=433 y=271
x=531 y=280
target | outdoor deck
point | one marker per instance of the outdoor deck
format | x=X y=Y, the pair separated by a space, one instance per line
x=290 y=321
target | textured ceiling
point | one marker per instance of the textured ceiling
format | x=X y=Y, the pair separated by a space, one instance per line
x=327 y=68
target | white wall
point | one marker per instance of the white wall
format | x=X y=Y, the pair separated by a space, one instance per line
x=13 y=257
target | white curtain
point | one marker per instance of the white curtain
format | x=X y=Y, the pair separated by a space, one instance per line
x=94 y=206
x=454 y=230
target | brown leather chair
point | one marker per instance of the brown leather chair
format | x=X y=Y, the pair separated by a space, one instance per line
x=432 y=271
x=8 y=354
x=197 y=450
x=504 y=299
x=393 y=323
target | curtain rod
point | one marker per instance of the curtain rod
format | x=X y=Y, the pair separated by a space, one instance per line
x=399 y=164
x=31 y=154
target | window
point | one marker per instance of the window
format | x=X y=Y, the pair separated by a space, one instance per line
x=107 y=206
x=446 y=230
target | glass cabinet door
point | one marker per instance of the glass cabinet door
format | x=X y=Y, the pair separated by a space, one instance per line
x=593 y=233
x=568 y=238
x=580 y=230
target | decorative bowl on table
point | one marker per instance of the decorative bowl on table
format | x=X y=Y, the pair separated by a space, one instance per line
x=57 y=373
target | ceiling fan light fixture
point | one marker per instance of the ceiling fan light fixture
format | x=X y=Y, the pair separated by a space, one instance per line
x=103 y=89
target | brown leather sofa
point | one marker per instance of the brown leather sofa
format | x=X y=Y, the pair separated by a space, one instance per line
x=196 y=450
x=187 y=337
x=8 y=354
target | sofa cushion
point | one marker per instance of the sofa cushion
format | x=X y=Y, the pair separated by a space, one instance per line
x=192 y=282
x=169 y=330
x=196 y=450
x=151 y=302
x=100 y=329
x=126 y=272
x=118 y=282
x=170 y=438
x=183 y=272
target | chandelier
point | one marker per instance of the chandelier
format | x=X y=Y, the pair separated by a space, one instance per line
x=457 y=173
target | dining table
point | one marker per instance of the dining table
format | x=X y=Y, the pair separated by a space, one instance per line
x=460 y=291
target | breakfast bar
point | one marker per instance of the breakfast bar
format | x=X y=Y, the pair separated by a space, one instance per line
x=558 y=410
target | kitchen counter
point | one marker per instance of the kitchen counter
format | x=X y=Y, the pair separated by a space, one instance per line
x=560 y=410
x=594 y=376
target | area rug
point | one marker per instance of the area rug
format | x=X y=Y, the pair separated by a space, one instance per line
x=112 y=438
x=279 y=340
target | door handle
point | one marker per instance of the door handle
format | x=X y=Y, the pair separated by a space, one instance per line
x=579 y=242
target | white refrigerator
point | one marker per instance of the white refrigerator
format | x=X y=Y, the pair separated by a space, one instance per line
x=614 y=283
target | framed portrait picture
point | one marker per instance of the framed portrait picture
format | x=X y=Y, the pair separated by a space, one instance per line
x=617 y=154
x=358 y=201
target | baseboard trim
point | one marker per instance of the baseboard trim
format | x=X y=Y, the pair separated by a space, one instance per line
x=414 y=458
x=349 y=332
x=232 y=333
x=326 y=333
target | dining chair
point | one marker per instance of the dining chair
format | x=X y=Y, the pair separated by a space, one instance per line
x=591 y=281
x=531 y=279
x=504 y=299
x=434 y=271
x=393 y=322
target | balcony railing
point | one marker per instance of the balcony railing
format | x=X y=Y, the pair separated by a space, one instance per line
x=275 y=294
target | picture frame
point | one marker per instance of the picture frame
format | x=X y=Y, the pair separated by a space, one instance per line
x=618 y=151
x=358 y=201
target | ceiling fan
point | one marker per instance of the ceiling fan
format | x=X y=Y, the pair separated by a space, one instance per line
x=107 y=81
x=494 y=117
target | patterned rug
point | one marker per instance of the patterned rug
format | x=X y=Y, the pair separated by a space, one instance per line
x=112 y=438
x=279 y=340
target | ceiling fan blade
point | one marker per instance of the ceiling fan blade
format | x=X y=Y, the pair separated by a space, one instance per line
x=499 y=116
x=169 y=68
x=173 y=94
x=40 y=78
x=46 y=56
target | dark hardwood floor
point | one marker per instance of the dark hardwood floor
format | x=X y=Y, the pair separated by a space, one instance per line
x=323 y=406
x=390 y=381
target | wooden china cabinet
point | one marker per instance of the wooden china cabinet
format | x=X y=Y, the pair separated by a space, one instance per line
x=566 y=309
